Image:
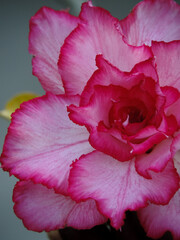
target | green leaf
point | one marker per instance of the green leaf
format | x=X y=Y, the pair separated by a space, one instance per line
x=15 y=103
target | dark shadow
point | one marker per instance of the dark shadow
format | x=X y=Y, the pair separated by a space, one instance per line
x=131 y=230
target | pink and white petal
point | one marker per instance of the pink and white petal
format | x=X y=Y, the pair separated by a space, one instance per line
x=98 y=107
x=168 y=125
x=48 y=29
x=106 y=75
x=156 y=160
x=147 y=144
x=117 y=187
x=107 y=143
x=174 y=110
x=41 y=209
x=42 y=142
x=96 y=34
x=148 y=68
x=175 y=148
x=167 y=56
x=85 y=215
x=172 y=95
x=152 y=20
x=144 y=133
x=157 y=219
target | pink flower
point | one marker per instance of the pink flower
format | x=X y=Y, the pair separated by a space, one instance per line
x=105 y=137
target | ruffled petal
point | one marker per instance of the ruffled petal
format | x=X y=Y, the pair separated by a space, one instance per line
x=152 y=20
x=147 y=144
x=157 y=219
x=156 y=160
x=148 y=68
x=175 y=148
x=168 y=62
x=96 y=34
x=174 y=110
x=98 y=111
x=48 y=29
x=42 y=142
x=171 y=94
x=107 y=74
x=117 y=187
x=41 y=209
x=107 y=92
x=107 y=143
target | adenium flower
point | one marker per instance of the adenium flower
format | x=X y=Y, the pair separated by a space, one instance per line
x=106 y=136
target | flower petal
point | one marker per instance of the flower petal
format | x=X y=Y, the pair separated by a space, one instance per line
x=117 y=187
x=157 y=219
x=48 y=29
x=98 y=107
x=175 y=148
x=96 y=34
x=98 y=111
x=41 y=209
x=152 y=20
x=174 y=110
x=147 y=144
x=106 y=75
x=156 y=160
x=109 y=144
x=148 y=68
x=42 y=142
x=172 y=95
x=168 y=61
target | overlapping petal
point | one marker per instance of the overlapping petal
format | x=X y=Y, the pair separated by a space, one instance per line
x=96 y=34
x=175 y=148
x=172 y=95
x=152 y=20
x=107 y=143
x=167 y=57
x=157 y=219
x=174 y=109
x=42 y=142
x=111 y=93
x=156 y=160
x=107 y=74
x=98 y=111
x=41 y=209
x=148 y=68
x=118 y=148
x=48 y=29
x=117 y=187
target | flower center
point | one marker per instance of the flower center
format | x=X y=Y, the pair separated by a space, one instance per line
x=126 y=115
x=134 y=115
x=128 y=119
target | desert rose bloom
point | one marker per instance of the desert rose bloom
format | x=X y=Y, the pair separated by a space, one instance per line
x=106 y=136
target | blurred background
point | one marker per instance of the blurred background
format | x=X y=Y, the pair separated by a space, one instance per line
x=16 y=76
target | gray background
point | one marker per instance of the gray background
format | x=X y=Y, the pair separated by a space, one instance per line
x=16 y=77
